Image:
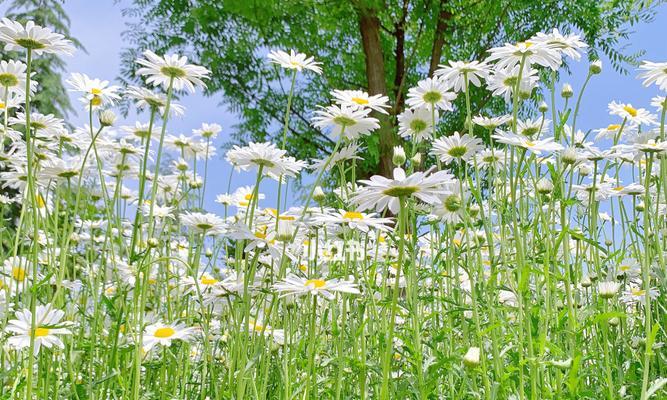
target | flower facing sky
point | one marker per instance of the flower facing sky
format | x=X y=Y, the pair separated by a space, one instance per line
x=296 y=285
x=294 y=60
x=349 y=121
x=160 y=70
x=33 y=37
x=96 y=92
x=380 y=192
x=431 y=92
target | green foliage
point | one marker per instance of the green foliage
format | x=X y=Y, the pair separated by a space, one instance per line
x=232 y=38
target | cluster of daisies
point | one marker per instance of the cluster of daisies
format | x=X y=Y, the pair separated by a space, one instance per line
x=519 y=257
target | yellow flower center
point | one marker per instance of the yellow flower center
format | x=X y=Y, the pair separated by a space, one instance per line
x=624 y=267
x=2 y=105
x=613 y=127
x=317 y=283
x=248 y=196
x=207 y=280
x=303 y=268
x=352 y=215
x=96 y=91
x=18 y=273
x=360 y=100
x=638 y=292
x=41 y=203
x=165 y=332
x=630 y=110
x=260 y=235
x=530 y=144
x=41 y=332
x=96 y=100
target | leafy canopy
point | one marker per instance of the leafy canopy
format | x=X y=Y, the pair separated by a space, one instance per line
x=232 y=38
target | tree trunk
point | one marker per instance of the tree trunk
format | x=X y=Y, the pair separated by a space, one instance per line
x=369 y=25
x=439 y=37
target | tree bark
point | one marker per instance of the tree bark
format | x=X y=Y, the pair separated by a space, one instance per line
x=439 y=37
x=369 y=26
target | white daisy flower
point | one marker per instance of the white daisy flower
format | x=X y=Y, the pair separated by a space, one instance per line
x=349 y=152
x=431 y=92
x=360 y=99
x=491 y=123
x=13 y=78
x=355 y=220
x=654 y=73
x=533 y=52
x=637 y=295
x=208 y=131
x=46 y=330
x=634 y=115
x=503 y=81
x=96 y=92
x=164 y=334
x=457 y=73
x=267 y=156
x=160 y=70
x=570 y=45
x=417 y=123
x=608 y=289
x=147 y=98
x=456 y=147
x=537 y=146
x=350 y=121
x=294 y=60
x=298 y=286
x=380 y=192
x=34 y=37
x=206 y=223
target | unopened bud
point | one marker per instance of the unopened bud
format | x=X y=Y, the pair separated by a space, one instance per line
x=544 y=186
x=107 y=118
x=472 y=358
x=595 y=67
x=567 y=91
x=543 y=107
x=318 y=194
x=399 y=156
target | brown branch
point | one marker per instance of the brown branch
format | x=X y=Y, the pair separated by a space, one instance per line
x=439 y=36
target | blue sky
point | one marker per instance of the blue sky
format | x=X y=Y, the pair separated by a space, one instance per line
x=98 y=25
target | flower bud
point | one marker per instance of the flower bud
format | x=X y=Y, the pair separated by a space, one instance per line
x=318 y=194
x=416 y=159
x=567 y=91
x=586 y=282
x=608 y=289
x=399 y=156
x=208 y=253
x=474 y=210
x=107 y=118
x=544 y=186
x=614 y=321
x=285 y=230
x=472 y=358
x=595 y=67
x=152 y=242
x=543 y=107
x=569 y=155
x=585 y=170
